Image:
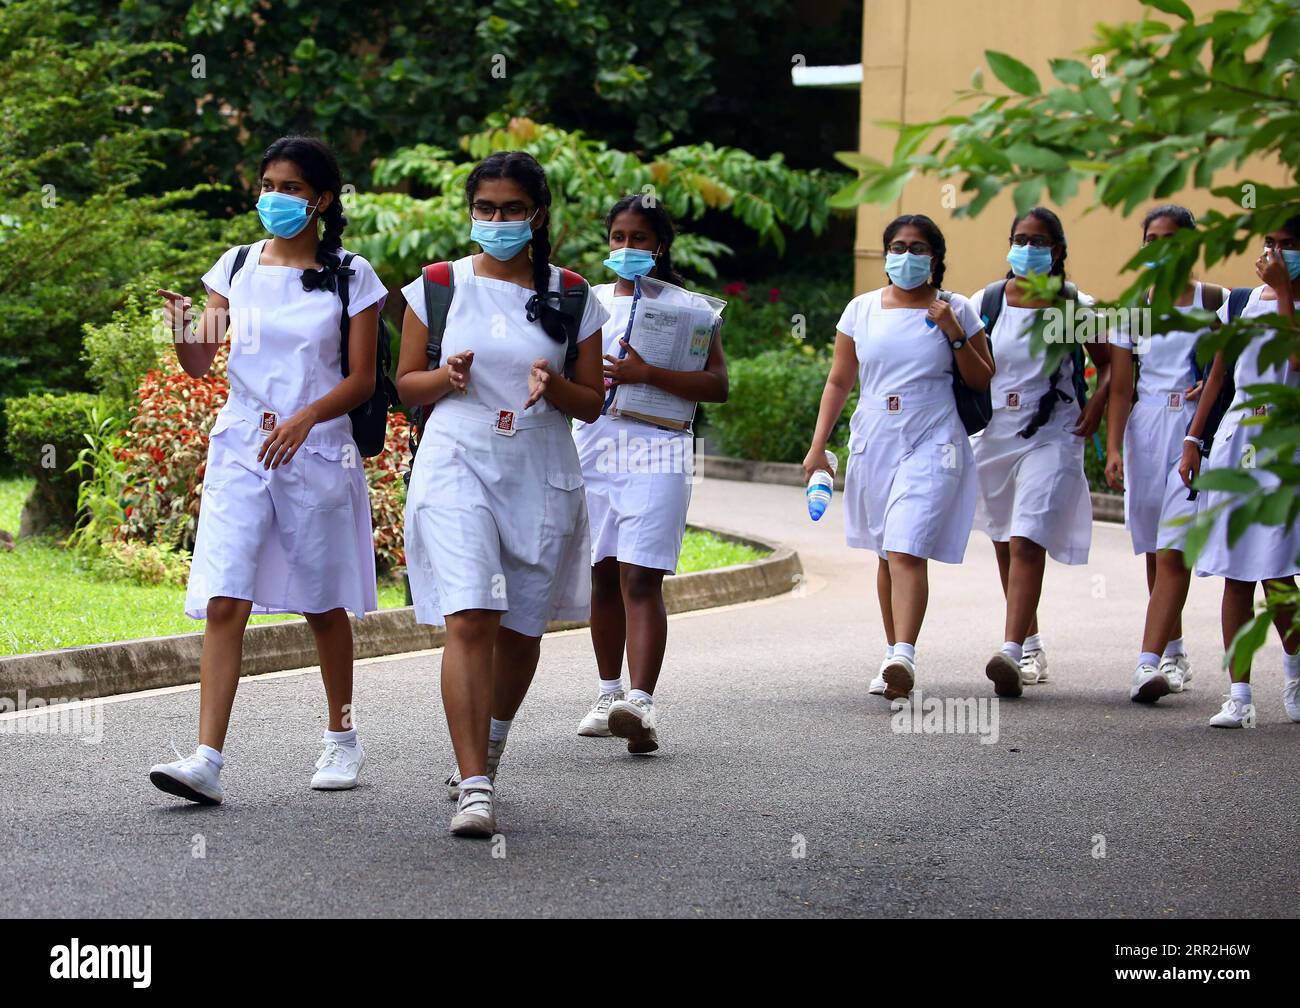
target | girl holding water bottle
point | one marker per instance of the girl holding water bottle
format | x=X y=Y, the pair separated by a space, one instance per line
x=909 y=490
x=638 y=480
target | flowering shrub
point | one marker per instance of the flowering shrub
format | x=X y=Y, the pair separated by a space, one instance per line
x=165 y=450
x=143 y=563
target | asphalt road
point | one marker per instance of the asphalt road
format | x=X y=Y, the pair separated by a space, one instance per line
x=781 y=787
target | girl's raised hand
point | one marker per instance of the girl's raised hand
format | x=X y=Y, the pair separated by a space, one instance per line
x=539 y=376
x=458 y=369
x=1271 y=268
x=177 y=312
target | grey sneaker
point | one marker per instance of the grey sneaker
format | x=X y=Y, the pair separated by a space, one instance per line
x=495 y=749
x=1005 y=675
x=474 y=815
x=634 y=720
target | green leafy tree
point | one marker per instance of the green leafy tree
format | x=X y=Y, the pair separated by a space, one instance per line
x=1164 y=103
x=399 y=232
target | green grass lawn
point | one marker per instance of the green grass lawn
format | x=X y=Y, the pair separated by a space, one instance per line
x=50 y=598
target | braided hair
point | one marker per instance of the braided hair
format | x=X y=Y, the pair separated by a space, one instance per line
x=1055 y=229
x=320 y=169
x=933 y=238
x=522 y=168
x=661 y=223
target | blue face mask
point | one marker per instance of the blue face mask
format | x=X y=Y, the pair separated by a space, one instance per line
x=502 y=240
x=1292 y=260
x=1025 y=259
x=284 y=215
x=630 y=263
x=907 y=269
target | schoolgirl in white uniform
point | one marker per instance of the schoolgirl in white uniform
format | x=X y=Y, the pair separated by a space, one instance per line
x=284 y=524
x=909 y=491
x=638 y=479
x=1144 y=446
x=1034 y=499
x=497 y=540
x=1264 y=554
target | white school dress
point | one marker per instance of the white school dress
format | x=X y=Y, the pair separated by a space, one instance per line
x=1032 y=487
x=494 y=520
x=1263 y=551
x=910 y=482
x=638 y=476
x=1154 y=495
x=296 y=538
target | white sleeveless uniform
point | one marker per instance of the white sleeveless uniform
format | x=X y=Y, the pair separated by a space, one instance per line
x=296 y=538
x=1154 y=494
x=910 y=482
x=496 y=521
x=1032 y=487
x=1263 y=551
x=638 y=476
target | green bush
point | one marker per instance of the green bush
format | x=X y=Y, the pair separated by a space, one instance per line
x=121 y=351
x=772 y=409
x=46 y=433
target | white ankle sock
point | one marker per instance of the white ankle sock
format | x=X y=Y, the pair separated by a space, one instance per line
x=1033 y=643
x=640 y=694
x=1149 y=658
x=902 y=650
x=211 y=755
x=1013 y=651
x=1241 y=692
x=1175 y=648
x=343 y=738
x=1291 y=665
x=611 y=686
x=498 y=730
x=889 y=651
x=470 y=782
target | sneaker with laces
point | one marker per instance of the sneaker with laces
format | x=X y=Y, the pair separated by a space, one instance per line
x=338 y=767
x=596 y=723
x=878 y=684
x=474 y=814
x=1233 y=714
x=1033 y=667
x=1005 y=674
x=634 y=720
x=495 y=749
x=1178 y=670
x=194 y=778
x=1149 y=684
x=1291 y=698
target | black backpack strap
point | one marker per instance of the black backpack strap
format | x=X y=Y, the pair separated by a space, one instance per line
x=1237 y=301
x=1047 y=404
x=238 y=264
x=345 y=320
x=991 y=304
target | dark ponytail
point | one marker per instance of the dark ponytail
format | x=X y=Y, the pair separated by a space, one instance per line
x=320 y=170
x=522 y=168
x=933 y=237
x=1055 y=230
x=661 y=223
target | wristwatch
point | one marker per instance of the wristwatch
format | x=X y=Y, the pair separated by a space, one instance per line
x=957 y=344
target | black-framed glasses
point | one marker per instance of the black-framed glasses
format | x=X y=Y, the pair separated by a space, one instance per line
x=1033 y=241
x=485 y=211
x=916 y=248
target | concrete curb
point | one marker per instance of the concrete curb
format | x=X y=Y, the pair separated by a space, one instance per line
x=1105 y=506
x=97 y=670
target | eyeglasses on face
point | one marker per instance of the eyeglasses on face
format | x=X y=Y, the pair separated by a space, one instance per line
x=1290 y=244
x=485 y=211
x=916 y=248
x=1033 y=241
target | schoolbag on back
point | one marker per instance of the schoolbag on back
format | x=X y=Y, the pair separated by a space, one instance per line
x=991 y=308
x=370 y=419
x=975 y=408
x=439 y=287
x=1228 y=390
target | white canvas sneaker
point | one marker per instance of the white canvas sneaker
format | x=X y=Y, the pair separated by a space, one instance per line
x=1233 y=714
x=1291 y=698
x=1178 y=670
x=878 y=684
x=1149 y=684
x=899 y=673
x=194 y=778
x=1033 y=667
x=474 y=813
x=634 y=720
x=596 y=723
x=1005 y=675
x=338 y=767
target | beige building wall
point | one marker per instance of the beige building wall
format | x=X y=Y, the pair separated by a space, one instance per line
x=916 y=54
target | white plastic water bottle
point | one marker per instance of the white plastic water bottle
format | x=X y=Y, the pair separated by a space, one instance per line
x=821 y=486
